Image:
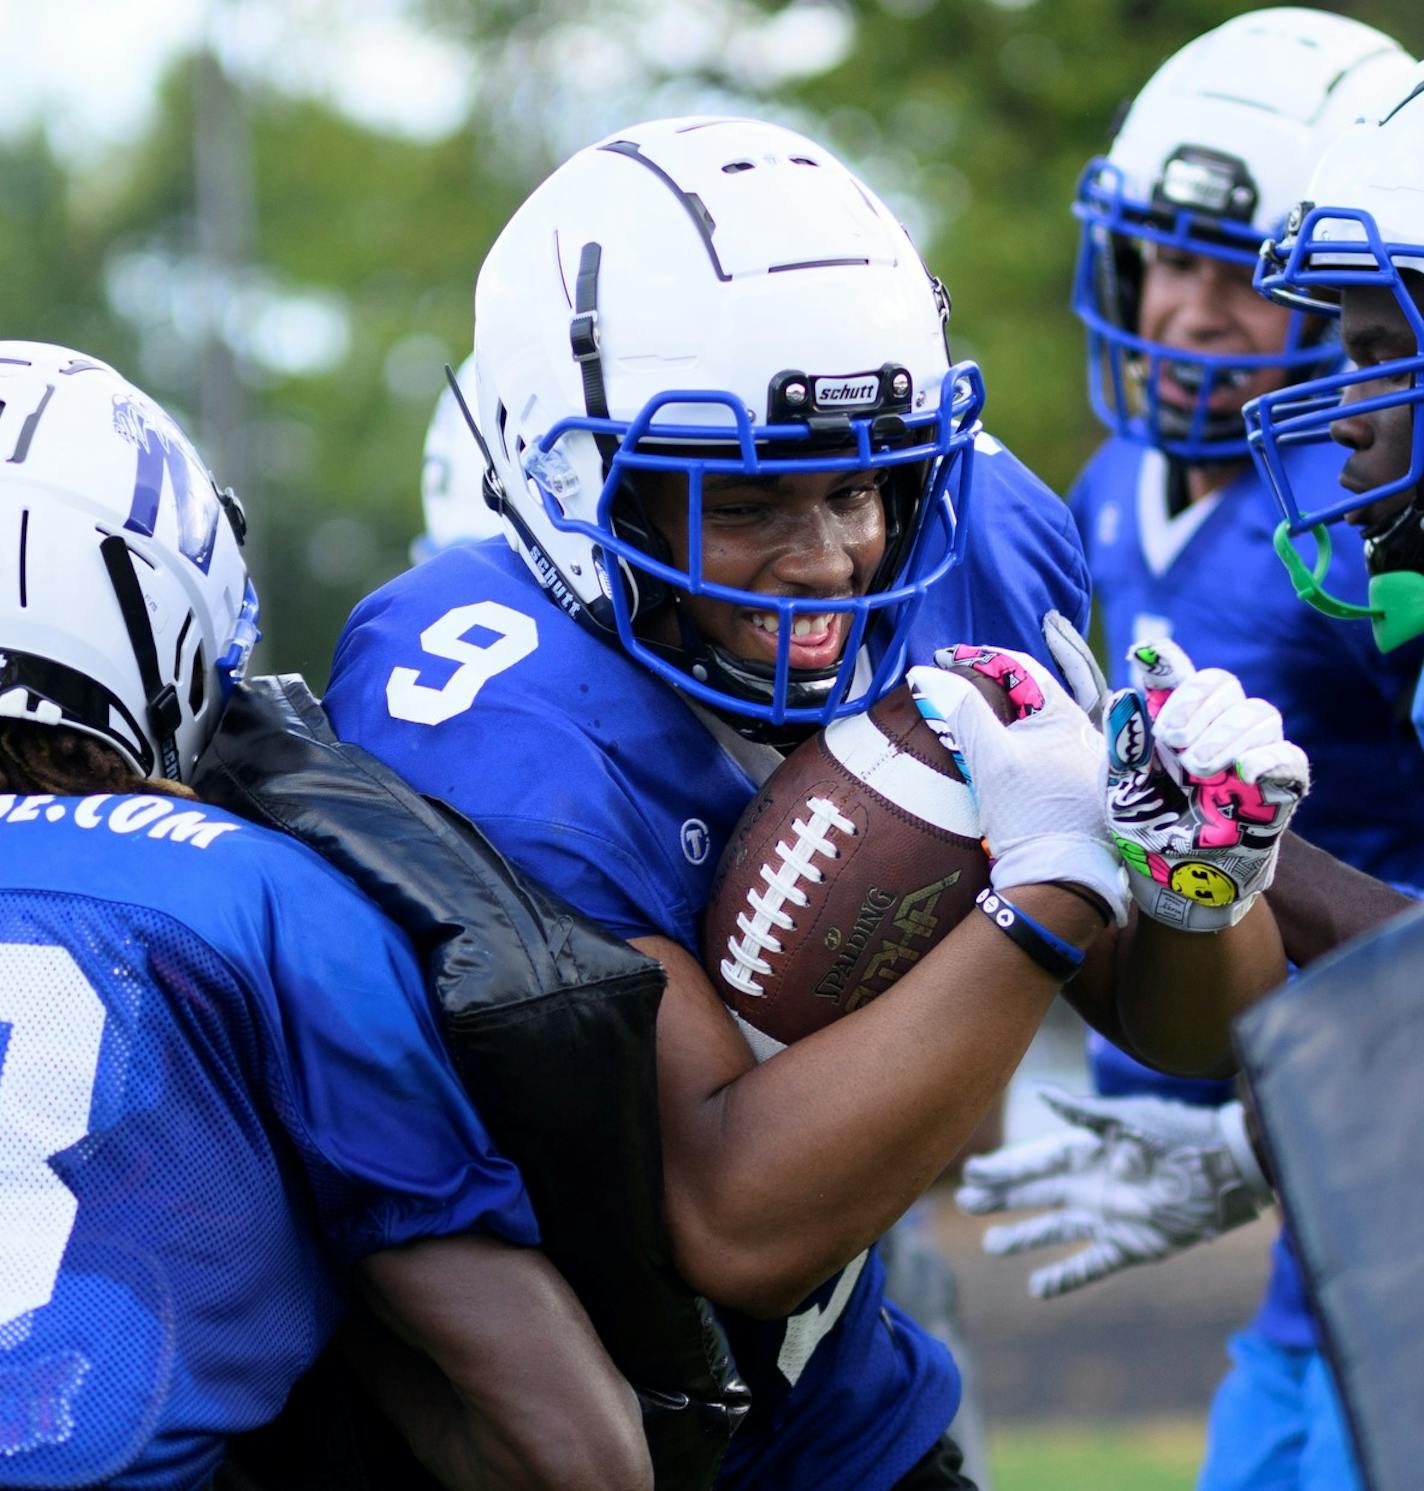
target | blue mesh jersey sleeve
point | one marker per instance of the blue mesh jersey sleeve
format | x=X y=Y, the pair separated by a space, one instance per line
x=218 y=1082
x=392 y=1145
x=1117 y=1075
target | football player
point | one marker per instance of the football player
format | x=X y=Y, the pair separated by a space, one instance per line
x=222 y=1089
x=1209 y=159
x=725 y=436
x=1352 y=250
x=917 y=1276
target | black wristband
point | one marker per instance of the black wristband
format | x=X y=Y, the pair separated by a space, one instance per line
x=1089 y=898
x=1052 y=954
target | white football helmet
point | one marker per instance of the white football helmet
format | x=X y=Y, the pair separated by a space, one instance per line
x=1214 y=152
x=126 y=611
x=452 y=474
x=1362 y=225
x=718 y=295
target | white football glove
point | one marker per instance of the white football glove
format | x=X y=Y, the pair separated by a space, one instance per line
x=1038 y=782
x=1201 y=785
x=1069 y=649
x=1137 y=1179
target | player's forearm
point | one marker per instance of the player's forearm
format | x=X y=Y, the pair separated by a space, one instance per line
x=782 y=1176
x=525 y=1398
x=460 y=1447
x=418 y=1400
x=1320 y=903
x=1178 y=992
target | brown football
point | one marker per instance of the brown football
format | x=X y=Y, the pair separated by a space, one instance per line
x=858 y=855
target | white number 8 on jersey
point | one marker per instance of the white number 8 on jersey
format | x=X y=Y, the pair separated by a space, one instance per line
x=48 y=1063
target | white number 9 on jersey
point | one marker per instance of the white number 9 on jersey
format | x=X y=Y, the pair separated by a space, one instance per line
x=515 y=637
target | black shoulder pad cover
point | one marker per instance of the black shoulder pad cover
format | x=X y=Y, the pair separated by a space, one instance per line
x=550 y=1022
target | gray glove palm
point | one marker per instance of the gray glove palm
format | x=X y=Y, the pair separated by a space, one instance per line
x=1137 y=1179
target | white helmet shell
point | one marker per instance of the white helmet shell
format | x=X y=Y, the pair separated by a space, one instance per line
x=729 y=251
x=85 y=458
x=1377 y=167
x=1270 y=89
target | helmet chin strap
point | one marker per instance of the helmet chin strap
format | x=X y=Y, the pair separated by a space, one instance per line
x=165 y=714
x=1396 y=598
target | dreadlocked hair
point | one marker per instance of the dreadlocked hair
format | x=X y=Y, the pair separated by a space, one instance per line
x=68 y=763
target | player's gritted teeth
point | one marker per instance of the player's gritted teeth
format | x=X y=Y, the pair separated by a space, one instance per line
x=817 y=638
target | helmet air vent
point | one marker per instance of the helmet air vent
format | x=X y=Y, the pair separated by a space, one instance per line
x=197 y=689
x=24 y=544
x=178 y=648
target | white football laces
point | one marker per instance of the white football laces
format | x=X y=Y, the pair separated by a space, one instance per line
x=746 y=963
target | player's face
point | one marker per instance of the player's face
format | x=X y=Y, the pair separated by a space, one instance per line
x=1374 y=331
x=816 y=534
x=1199 y=304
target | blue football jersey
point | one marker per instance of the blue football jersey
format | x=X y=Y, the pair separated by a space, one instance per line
x=600 y=781
x=220 y=1084
x=1209 y=578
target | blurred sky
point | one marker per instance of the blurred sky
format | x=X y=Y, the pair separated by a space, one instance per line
x=88 y=68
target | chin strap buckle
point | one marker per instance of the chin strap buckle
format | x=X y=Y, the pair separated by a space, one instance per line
x=165 y=712
x=583 y=336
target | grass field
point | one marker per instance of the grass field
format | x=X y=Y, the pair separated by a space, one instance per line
x=1155 y=1455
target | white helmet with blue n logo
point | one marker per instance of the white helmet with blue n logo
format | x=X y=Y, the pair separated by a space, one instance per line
x=1210 y=158
x=718 y=296
x=126 y=612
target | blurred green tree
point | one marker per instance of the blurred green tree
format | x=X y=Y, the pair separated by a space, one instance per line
x=338 y=313
x=52 y=249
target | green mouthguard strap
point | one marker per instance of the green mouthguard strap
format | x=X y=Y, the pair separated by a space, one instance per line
x=1396 y=600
